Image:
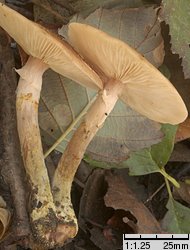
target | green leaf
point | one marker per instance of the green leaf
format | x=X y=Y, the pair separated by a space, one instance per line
x=141 y=163
x=176 y=14
x=161 y=152
x=177 y=219
x=152 y=160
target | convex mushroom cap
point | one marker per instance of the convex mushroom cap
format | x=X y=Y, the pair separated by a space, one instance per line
x=54 y=52
x=143 y=87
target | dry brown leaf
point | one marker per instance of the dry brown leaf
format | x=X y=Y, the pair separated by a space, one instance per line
x=120 y=197
x=183 y=131
x=183 y=193
x=57 y=11
x=108 y=208
x=50 y=13
x=181 y=152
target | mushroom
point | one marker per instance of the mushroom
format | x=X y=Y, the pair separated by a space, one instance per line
x=126 y=75
x=46 y=50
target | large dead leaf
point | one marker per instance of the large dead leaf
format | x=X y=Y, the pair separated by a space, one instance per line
x=183 y=193
x=125 y=130
x=59 y=11
x=183 y=131
x=85 y=7
x=138 y=27
x=51 y=12
x=109 y=208
x=181 y=152
x=119 y=196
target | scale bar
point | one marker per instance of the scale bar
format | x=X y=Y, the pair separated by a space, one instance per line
x=162 y=237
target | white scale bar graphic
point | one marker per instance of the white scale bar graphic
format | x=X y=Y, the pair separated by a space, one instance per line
x=156 y=241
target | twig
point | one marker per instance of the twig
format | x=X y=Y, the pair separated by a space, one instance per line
x=12 y=166
x=152 y=196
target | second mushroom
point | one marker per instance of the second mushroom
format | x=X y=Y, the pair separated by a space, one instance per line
x=126 y=75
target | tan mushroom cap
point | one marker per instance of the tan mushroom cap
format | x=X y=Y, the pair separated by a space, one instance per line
x=40 y=43
x=144 y=88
